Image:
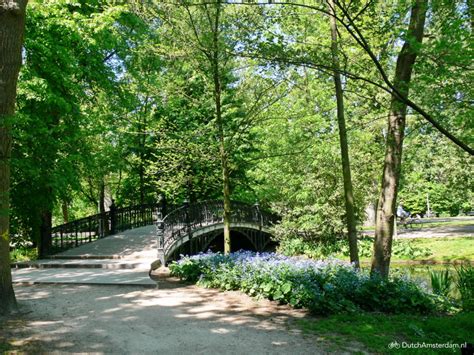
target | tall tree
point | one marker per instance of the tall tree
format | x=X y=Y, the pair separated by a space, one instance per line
x=12 y=25
x=386 y=207
x=211 y=46
x=346 y=166
x=215 y=56
x=206 y=26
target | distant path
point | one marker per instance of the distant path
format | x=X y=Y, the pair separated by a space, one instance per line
x=174 y=319
x=423 y=231
x=438 y=232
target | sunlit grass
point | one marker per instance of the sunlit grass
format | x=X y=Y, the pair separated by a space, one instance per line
x=448 y=249
x=377 y=331
x=444 y=250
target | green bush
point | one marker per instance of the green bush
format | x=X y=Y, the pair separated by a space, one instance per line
x=23 y=254
x=465 y=285
x=324 y=287
x=441 y=282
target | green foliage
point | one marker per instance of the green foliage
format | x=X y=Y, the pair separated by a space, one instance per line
x=324 y=287
x=109 y=98
x=465 y=286
x=401 y=248
x=441 y=282
x=67 y=71
x=22 y=253
x=429 y=176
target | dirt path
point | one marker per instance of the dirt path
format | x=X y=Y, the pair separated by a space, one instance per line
x=437 y=232
x=175 y=319
x=424 y=230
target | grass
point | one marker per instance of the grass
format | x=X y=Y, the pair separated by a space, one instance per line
x=377 y=331
x=448 y=249
x=445 y=250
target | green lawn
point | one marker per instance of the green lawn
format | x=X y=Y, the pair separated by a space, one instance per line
x=377 y=331
x=448 y=249
x=445 y=249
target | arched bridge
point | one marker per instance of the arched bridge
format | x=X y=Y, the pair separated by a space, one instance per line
x=188 y=229
x=192 y=228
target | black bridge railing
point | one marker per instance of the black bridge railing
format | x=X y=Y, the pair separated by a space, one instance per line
x=91 y=228
x=182 y=221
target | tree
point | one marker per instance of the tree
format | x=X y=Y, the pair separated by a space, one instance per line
x=386 y=208
x=70 y=56
x=210 y=50
x=346 y=167
x=353 y=18
x=214 y=56
x=12 y=24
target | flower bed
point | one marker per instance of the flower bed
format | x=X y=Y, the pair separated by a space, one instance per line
x=324 y=287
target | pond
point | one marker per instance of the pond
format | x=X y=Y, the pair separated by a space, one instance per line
x=420 y=273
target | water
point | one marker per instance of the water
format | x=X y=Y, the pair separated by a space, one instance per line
x=420 y=273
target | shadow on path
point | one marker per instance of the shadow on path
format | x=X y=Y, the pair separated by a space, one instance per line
x=177 y=318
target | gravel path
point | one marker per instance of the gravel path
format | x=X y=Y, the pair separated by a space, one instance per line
x=174 y=319
x=437 y=232
x=425 y=231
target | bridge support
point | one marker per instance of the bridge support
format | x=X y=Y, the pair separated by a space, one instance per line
x=160 y=233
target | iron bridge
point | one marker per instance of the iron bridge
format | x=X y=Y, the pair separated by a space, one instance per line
x=194 y=227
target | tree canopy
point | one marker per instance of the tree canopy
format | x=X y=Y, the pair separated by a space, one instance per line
x=236 y=100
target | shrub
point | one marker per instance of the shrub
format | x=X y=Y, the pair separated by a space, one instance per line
x=441 y=282
x=23 y=254
x=465 y=285
x=324 y=287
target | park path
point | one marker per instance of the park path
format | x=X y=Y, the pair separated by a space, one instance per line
x=98 y=298
x=438 y=232
x=423 y=230
x=173 y=319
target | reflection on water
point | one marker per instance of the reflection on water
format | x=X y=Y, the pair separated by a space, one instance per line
x=420 y=273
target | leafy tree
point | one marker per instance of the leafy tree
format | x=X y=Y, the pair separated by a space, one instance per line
x=346 y=167
x=68 y=50
x=12 y=25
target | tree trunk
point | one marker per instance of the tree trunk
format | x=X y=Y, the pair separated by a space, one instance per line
x=105 y=221
x=220 y=128
x=346 y=167
x=45 y=234
x=142 y=143
x=386 y=207
x=65 y=211
x=12 y=27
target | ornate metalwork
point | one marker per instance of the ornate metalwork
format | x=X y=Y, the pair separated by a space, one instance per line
x=180 y=225
x=177 y=227
x=89 y=229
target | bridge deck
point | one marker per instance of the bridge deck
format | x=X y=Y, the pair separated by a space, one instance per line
x=138 y=243
x=120 y=259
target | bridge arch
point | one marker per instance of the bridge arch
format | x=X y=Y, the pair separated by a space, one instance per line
x=192 y=228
